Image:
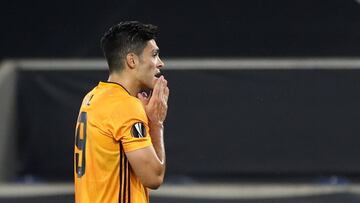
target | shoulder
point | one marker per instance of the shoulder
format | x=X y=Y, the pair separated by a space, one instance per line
x=88 y=96
x=128 y=108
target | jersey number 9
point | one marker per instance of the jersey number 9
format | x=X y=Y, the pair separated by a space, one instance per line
x=80 y=143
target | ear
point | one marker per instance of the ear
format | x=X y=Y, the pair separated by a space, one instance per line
x=132 y=60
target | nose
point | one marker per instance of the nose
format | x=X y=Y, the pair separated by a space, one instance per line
x=161 y=63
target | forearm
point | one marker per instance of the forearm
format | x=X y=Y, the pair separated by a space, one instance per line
x=157 y=138
x=156 y=110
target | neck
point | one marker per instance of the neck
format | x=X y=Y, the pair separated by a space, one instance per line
x=126 y=82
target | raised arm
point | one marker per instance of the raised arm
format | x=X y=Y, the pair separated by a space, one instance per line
x=149 y=163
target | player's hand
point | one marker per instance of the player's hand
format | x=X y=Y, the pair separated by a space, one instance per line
x=156 y=106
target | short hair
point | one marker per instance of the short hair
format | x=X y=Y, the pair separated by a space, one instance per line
x=123 y=38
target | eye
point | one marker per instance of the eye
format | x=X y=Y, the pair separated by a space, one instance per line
x=156 y=53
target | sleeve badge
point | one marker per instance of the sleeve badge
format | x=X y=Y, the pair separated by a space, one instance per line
x=138 y=130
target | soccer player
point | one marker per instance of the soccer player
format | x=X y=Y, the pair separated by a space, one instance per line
x=119 y=149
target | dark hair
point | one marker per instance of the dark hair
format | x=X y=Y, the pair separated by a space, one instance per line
x=123 y=38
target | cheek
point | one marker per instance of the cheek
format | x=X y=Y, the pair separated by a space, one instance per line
x=153 y=63
x=151 y=68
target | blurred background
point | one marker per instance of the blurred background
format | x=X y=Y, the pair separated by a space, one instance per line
x=263 y=107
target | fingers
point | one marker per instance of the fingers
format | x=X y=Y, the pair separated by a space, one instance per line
x=157 y=87
x=162 y=84
x=164 y=90
x=166 y=94
x=143 y=97
x=160 y=92
x=156 y=109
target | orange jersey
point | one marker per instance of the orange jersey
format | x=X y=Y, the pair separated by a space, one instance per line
x=110 y=123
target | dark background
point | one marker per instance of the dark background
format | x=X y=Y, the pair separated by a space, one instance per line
x=252 y=28
x=221 y=123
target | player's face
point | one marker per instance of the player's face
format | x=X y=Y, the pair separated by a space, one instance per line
x=149 y=65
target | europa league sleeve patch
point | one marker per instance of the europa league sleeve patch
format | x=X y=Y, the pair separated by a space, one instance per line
x=138 y=130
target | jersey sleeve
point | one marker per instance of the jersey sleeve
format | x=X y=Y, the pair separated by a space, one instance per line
x=130 y=125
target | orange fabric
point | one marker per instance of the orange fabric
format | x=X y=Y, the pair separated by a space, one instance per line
x=102 y=172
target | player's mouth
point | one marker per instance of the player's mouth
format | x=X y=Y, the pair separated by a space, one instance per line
x=158 y=74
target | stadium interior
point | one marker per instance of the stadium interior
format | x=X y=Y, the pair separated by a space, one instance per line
x=263 y=106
